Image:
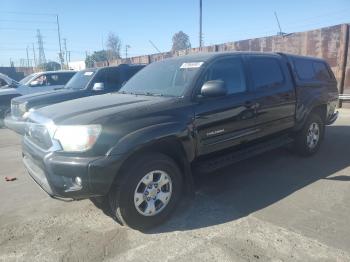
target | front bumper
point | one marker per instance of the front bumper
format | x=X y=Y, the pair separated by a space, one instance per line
x=16 y=124
x=56 y=174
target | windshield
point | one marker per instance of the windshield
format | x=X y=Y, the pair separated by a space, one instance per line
x=166 y=78
x=80 y=79
x=26 y=79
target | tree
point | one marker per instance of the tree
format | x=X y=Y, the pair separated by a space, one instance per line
x=113 y=46
x=181 y=41
x=97 y=56
x=50 y=66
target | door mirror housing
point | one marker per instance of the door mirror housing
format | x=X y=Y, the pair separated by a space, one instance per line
x=98 y=87
x=214 y=88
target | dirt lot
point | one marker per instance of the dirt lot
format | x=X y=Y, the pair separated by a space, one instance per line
x=273 y=207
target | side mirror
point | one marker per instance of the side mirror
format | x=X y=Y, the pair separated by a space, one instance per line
x=214 y=88
x=34 y=83
x=98 y=87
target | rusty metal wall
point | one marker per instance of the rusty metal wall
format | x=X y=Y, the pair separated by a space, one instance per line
x=328 y=43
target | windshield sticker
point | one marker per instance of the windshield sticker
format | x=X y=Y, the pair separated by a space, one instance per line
x=191 y=65
x=88 y=73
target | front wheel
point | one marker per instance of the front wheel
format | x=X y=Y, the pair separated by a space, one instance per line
x=308 y=139
x=148 y=192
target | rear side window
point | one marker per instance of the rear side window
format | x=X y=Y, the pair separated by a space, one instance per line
x=266 y=72
x=308 y=70
x=321 y=71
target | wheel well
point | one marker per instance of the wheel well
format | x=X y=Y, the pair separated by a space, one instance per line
x=321 y=110
x=170 y=147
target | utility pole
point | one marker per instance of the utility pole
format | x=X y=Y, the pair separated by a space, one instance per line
x=59 y=41
x=27 y=57
x=200 y=24
x=35 y=64
x=65 y=50
x=126 y=51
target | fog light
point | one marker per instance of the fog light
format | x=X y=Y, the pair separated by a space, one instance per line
x=78 y=181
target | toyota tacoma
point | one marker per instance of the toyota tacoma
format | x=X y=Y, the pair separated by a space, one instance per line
x=139 y=147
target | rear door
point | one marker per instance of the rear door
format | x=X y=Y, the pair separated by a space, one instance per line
x=225 y=121
x=275 y=93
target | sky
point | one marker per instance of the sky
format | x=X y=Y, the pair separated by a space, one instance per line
x=85 y=24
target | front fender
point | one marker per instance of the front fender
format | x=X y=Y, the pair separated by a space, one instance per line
x=159 y=132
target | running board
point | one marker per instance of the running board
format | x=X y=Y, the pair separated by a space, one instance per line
x=210 y=165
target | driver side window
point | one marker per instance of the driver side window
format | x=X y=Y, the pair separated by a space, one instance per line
x=39 y=81
x=229 y=70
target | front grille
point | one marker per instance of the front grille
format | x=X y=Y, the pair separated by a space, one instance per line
x=38 y=134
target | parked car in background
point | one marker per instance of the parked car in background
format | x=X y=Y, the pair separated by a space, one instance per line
x=45 y=81
x=137 y=148
x=88 y=82
x=34 y=83
x=7 y=82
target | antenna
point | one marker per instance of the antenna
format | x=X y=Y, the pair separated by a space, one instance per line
x=155 y=47
x=279 y=26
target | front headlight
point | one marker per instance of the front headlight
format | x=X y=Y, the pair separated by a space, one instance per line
x=77 y=138
x=22 y=108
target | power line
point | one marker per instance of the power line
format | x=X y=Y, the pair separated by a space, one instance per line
x=26 y=29
x=26 y=21
x=27 y=13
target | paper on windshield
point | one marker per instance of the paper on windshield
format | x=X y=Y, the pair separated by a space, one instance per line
x=191 y=65
x=88 y=73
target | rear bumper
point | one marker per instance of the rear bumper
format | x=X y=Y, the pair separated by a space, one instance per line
x=332 y=118
x=17 y=125
x=56 y=174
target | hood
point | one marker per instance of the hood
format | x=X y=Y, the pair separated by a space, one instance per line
x=8 y=91
x=48 y=97
x=97 y=109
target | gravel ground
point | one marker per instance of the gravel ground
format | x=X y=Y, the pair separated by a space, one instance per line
x=276 y=206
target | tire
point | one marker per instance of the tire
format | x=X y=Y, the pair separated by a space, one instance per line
x=129 y=203
x=308 y=139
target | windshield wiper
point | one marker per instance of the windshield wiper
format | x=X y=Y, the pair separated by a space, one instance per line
x=148 y=94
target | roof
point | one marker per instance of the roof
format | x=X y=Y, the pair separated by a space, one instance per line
x=207 y=56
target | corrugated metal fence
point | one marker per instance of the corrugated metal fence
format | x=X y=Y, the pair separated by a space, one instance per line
x=330 y=43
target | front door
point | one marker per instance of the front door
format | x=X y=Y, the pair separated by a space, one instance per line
x=225 y=121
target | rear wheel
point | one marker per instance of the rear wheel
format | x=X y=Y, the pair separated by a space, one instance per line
x=148 y=192
x=308 y=139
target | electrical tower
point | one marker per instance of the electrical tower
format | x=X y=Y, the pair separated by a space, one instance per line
x=41 y=59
